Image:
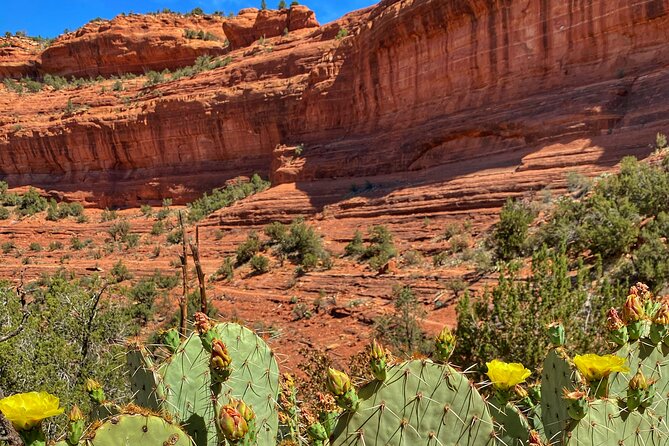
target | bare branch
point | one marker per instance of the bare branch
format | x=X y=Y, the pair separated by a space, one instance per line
x=21 y=293
x=87 y=334
x=195 y=250
x=183 y=302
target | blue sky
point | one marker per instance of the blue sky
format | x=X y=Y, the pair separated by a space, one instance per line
x=49 y=18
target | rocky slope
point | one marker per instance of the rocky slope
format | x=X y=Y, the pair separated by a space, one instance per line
x=411 y=113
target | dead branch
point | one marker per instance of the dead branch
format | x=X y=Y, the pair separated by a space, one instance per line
x=195 y=250
x=25 y=312
x=183 y=302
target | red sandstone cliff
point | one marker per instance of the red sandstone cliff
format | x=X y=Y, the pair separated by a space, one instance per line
x=416 y=86
x=252 y=24
x=18 y=57
x=133 y=44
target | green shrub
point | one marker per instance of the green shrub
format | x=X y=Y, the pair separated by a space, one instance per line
x=578 y=184
x=31 y=203
x=440 y=259
x=143 y=295
x=401 y=330
x=452 y=229
x=259 y=264
x=610 y=227
x=52 y=210
x=146 y=210
x=11 y=199
x=4 y=213
x=69 y=336
x=163 y=213
x=158 y=228
x=166 y=282
x=77 y=244
x=7 y=247
x=35 y=247
x=277 y=233
x=120 y=272
x=342 y=33
x=226 y=271
x=131 y=241
x=510 y=234
x=119 y=231
x=356 y=247
x=175 y=237
x=108 y=215
x=249 y=247
x=154 y=78
x=412 y=258
x=220 y=198
x=55 y=246
x=509 y=321
x=56 y=211
x=380 y=247
x=643 y=185
x=459 y=242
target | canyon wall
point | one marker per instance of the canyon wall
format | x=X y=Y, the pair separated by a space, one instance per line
x=408 y=86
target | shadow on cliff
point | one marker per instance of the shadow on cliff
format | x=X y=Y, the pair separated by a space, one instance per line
x=513 y=177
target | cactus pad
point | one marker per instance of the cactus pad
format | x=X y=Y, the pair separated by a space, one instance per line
x=608 y=423
x=511 y=425
x=419 y=403
x=556 y=376
x=652 y=361
x=254 y=379
x=137 y=429
x=144 y=382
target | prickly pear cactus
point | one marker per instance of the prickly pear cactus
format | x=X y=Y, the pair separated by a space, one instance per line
x=557 y=375
x=607 y=422
x=419 y=403
x=145 y=383
x=653 y=361
x=183 y=385
x=254 y=379
x=511 y=425
x=137 y=429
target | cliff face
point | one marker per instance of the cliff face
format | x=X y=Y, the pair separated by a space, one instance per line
x=410 y=86
x=17 y=57
x=252 y=24
x=133 y=44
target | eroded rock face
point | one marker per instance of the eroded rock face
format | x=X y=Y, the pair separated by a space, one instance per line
x=252 y=24
x=18 y=57
x=426 y=85
x=133 y=44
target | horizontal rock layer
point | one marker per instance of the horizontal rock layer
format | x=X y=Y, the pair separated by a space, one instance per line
x=415 y=85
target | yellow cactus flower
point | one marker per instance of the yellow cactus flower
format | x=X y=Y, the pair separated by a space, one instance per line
x=27 y=410
x=506 y=375
x=595 y=367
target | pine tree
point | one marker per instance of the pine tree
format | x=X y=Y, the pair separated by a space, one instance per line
x=282 y=4
x=263 y=5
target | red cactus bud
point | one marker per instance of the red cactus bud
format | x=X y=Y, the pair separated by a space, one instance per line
x=202 y=323
x=232 y=424
x=220 y=358
x=243 y=409
x=614 y=322
x=633 y=309
x=338 y=383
